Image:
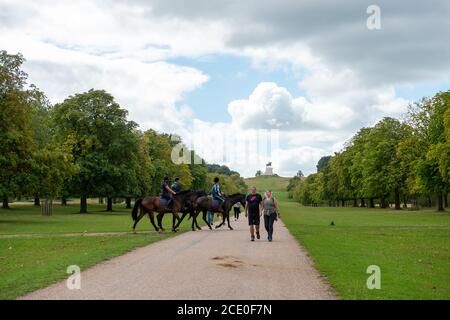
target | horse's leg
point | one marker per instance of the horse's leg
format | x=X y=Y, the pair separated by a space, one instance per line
x=152 y=220
x=181 y=220
x=194 y=217
x=204 y=218
x=175 y=217
x=222 y=223
x=228 y=220
x=137 y=220
x=196 y=223
x=159 y=218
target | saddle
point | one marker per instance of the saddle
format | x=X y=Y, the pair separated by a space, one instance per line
x=163 y=201
x=215 y=204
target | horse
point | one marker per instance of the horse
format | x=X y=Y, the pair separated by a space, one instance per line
x=153 y=204
x=190 y=206
x=206 y=204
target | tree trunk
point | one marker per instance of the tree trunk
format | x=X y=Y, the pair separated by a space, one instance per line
x=109 y=204
x=128 y=202
x=100 y=200
x=63 y=201
x=371 y=203
x=429 y=202
x=397 y=200
x=343 y=203
x=355 y=203
x=440 y=202
x=383 y=204
x=363 y=203
x=37 y=201
x=5 y=203
x=405 y=202
x=83 y=204
x=445 y=200
x=47 y=207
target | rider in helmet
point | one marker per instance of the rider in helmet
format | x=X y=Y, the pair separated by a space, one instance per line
x=176 y=186
x=216 y=193
x=166 y=192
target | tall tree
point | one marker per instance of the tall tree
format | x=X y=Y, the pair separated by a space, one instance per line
x=100 y=138
x=16 y=133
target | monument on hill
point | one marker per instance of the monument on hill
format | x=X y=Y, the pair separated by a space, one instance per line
x=269 y=170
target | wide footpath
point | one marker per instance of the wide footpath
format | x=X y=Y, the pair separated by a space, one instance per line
x=218 y=264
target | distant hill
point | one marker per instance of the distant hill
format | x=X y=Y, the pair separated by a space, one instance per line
x=263 y=183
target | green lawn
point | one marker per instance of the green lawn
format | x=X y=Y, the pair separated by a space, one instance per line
x=412 y=248
x=29 y=263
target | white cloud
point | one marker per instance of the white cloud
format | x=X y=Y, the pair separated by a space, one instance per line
x=348 y=74
x=268 y=107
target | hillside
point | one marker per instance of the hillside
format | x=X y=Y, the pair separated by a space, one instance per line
x=263 y=183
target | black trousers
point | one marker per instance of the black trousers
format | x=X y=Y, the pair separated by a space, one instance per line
x=268 y=223
x=237 y=211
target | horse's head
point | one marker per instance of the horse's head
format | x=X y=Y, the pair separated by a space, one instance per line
x=238 y=197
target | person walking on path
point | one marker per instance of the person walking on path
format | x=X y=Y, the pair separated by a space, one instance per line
x=210 y=218
x=253 y=210
x=237 y=210
x=271 y=212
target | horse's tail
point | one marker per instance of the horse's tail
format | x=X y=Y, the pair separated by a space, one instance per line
x=134 y=212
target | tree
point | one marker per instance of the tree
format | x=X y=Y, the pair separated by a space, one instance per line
x=258 y=173
x=102 y=143
x=431 y=128
x=16 y=133
x=160 y=153
x=322 y=164
x=381 y=174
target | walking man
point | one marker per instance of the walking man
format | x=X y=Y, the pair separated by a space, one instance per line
x=253 y=210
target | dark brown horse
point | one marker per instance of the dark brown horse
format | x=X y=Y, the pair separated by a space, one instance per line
x=190 y=205
x=152 y=204
x=205 y=204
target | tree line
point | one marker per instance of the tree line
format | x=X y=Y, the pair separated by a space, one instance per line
x=403 y=162
x=85 y=147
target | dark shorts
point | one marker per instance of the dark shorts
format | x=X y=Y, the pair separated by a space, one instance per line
x=253 y=219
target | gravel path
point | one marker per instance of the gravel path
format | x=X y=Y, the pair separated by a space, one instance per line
x=219 y=264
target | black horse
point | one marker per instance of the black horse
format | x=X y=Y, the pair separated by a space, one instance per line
x=190 y=206
x=206 y=204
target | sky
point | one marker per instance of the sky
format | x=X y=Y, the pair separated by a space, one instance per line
x=242 y=82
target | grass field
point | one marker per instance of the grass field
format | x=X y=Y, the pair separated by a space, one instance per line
x=35 y=251
x=412 y=248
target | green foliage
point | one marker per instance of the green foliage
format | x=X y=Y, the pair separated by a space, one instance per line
x=16 y=132
x=229 y=184
x=393 y=160
x=322 y=164
x=220 y=169
x=94 y=129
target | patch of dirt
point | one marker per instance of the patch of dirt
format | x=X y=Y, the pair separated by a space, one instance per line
x=228 y=261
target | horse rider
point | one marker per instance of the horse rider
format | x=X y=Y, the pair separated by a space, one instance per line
x=167 y=192
x=176 y=186
x=216 y=193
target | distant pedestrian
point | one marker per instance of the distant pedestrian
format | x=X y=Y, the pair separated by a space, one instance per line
x=237 y=210
x=271 y=213
x=253 y=210
x=210 y=218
